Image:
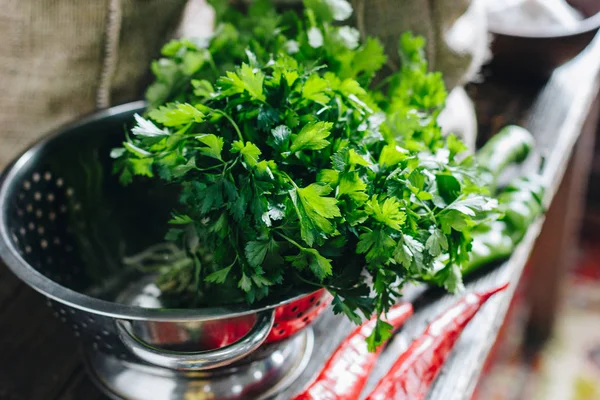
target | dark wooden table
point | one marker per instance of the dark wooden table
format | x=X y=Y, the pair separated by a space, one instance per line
x=39 y=358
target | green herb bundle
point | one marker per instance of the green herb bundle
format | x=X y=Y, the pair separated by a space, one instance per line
x=296 y=169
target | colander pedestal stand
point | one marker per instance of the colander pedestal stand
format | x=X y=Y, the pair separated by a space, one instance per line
x=263 y=376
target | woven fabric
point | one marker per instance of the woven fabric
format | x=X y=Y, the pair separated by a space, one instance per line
x=455 y=30
x=61 y=59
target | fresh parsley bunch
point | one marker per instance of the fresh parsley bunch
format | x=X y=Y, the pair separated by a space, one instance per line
x=295 y=169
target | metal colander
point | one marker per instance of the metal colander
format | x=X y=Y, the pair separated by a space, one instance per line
x=66 y=224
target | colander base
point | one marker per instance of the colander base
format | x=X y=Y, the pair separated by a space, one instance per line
x=262 y=379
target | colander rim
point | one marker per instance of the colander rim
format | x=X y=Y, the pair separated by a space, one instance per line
x=17 y=264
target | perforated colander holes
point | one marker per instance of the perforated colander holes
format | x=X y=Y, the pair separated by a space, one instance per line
x=279 y=332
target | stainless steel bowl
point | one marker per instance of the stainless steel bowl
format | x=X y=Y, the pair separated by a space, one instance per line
x=522 y=53
x=65 y=226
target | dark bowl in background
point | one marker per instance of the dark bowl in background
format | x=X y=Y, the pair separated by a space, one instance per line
x=529 y=54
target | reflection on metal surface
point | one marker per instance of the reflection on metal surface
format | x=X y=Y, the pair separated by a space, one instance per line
x=221 y=355
x=262 y=378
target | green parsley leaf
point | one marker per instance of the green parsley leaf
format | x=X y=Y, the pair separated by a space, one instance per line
x=181 y=114
x=147 y=128
x=377 y=245
x=203 y=88
x=367 y=60
x=312 y=137
x=142 y=166
x=381 y=333
x=245 y=80
x=448 y=187
x=315 y=210
x=472 y=205
x=219 y=276
x=316 y=89
x=256 y=251
x=281 y=136
x=340 y=307
x=455 y=145
x=249 y=151
x=245 y=283
x=352 y=186
x=409 y=251
x=311 y=258
x=391 y=155
x=180 y=219
x=436 y=243
x=389 y=213
x=214 y=145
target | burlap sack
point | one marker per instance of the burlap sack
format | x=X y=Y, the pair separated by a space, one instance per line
x=455 y=30
x=60 y=59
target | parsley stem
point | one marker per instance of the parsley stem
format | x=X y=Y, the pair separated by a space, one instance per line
x=289 y=179
x=213 y=66
x=235 y=126
x=209 y=168
x=292 y=241
x=383 y=82
x=309 y=282
x=330 y=288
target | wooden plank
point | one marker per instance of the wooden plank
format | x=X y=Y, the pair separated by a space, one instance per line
x=557 y=245
x=9 y=286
